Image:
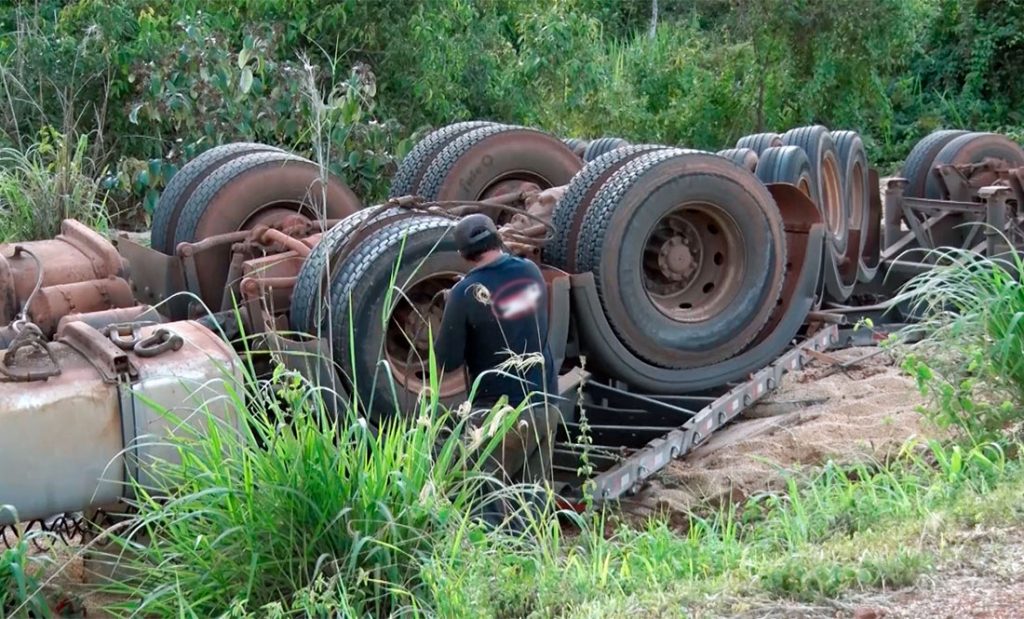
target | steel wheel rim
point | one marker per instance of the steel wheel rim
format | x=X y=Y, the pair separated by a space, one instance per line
x=832 y=196
x=857 y=205
x=407 y=339
x=692 y=262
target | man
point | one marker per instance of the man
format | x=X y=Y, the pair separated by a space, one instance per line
x=495 y=324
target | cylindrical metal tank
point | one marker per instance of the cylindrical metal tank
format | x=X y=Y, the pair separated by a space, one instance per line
x=71 y=441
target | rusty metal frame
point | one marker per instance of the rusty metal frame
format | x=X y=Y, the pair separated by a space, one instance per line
x=154 y=276
x=921 y=215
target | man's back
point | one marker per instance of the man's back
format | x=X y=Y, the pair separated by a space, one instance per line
x=496 y=313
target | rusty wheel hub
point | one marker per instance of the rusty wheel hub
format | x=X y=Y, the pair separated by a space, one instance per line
x=693 y=262
x=415 y=319
x=680 y=255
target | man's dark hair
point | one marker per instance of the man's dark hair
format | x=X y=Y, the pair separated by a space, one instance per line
x=476 y=234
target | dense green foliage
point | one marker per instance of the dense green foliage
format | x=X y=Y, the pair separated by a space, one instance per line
x=158 y=80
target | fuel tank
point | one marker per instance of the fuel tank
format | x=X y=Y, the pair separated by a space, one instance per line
x=84 y=414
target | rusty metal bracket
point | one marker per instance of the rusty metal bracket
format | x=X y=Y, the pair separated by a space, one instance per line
x=559 y=316
x=892 y=210
x=109 y=360
x=155 y=276
x=956 y=184
x=995 y=198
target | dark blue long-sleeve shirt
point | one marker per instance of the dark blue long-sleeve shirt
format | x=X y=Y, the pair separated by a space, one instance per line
x=498 y=310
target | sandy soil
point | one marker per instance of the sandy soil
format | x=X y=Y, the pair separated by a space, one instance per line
x=867 y=411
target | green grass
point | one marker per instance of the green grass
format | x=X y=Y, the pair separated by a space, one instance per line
x=45 y=184
x=847 y=528
x=20 y=578
x=300 y=509
x=313 y=518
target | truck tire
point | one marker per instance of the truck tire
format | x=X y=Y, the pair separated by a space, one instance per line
x=743 y=157
x=252 y=189
x=602 y=146
x=362 y=288
x=576 y=145
x=918 y=165
x=853 y=162
x=826 y=179
x=974 y=148
x=312 y=286
x=786 y=164
x=414 y=165
x=182 y=184
x=560 y=252
x=493 y=160
x=709 y=243
x=758 y=142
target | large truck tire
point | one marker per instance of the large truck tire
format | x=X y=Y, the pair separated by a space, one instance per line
x=576 y=145
x=688 y=255
x=312 y=286
x=827 y=179
x=411 y=259
x=917 y=168
x=602 y=146
x=182 y=184
x=414 y=165
x=853 y=162
x=758 y=142
x=560 y=252
x=495 y=160
x=786 y=164
x=744 y=157
x=259 y=188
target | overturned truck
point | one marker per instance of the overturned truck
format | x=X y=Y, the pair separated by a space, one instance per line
x=683 y=285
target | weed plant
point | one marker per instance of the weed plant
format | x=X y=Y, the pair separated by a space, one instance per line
x=45 y=184
x=20 y=576
x=972 y=360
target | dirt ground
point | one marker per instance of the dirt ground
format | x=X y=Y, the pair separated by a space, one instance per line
x=865 y=412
